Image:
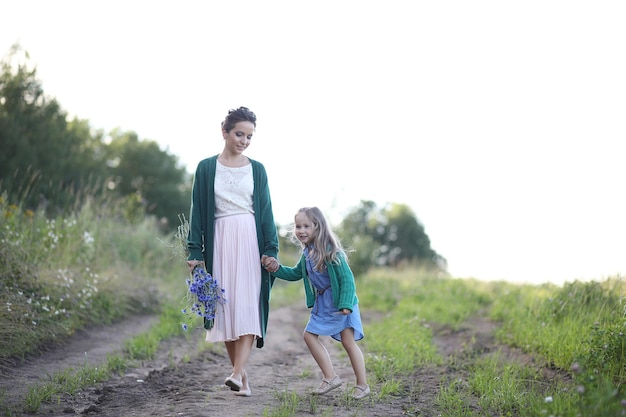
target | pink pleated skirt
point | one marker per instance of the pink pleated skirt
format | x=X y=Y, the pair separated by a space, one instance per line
x=237 y=268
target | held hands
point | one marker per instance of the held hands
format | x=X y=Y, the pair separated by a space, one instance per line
x=269 y=263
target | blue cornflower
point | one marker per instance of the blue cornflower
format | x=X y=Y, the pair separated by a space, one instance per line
x=203 y=295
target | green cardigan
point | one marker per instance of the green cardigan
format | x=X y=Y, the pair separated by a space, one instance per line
x=341 y=282
x=202 y=223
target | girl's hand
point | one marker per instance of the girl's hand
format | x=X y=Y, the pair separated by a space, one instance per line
x=345 y=311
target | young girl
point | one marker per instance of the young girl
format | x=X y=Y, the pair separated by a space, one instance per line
x=331 y=292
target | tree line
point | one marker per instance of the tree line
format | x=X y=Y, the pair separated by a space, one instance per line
x=50 y=161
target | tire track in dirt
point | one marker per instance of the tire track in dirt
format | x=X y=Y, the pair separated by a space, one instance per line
x=174 y=386
x=85 y=347
x=186 y=378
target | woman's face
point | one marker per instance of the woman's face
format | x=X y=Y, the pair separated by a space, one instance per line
x=238 y=139
x=305 y=230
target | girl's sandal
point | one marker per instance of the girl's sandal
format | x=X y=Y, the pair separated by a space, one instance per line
x=360 y=392
x=328 y=385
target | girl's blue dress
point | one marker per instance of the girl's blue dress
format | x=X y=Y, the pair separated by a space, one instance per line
x=325 y=319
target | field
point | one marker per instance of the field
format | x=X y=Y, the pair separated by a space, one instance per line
x=91 y=325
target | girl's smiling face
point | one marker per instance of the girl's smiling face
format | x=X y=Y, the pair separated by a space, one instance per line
x=238 y=139
x=305 y=229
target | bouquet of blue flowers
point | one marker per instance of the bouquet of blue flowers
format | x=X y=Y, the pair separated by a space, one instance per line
x=203 y=292
x=203 y=296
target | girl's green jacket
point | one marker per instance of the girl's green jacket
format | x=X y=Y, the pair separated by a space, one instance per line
x=201 y=230
x=341 y=282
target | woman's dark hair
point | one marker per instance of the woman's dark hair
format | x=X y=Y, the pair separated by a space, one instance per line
x=242 y=114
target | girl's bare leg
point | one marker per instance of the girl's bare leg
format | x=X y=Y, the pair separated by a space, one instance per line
x=320 y=354
x=355 y=355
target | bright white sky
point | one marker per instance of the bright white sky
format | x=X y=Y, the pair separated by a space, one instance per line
x=500 y=123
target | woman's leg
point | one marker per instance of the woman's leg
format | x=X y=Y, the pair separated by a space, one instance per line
x=230 y=348
x=320 y=354
x=238 y=353
x=355 y=355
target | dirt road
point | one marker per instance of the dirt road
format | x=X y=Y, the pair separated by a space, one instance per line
x=185 y=380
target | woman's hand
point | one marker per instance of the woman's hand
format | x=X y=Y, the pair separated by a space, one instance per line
x=193 y=263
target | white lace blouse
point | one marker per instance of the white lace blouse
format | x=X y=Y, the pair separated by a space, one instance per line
x=233 y=190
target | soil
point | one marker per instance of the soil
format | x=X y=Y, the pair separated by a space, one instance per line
x=187 y=377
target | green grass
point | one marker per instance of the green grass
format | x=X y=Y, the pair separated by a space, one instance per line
x=142 y=347
x=495 y=386
x=60 y=275
x=90 y=267
x=289 y=403
x=69 y=381
x=579 y=326
x=409 y=303
x=93 y=266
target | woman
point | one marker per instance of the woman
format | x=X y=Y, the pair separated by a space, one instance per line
x=231 y=225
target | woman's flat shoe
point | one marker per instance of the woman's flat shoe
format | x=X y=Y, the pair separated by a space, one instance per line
x=328 y=385
x=244 y=392
x=360 y=392
x=233 y=383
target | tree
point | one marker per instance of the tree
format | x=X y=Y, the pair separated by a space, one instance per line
x=406 y=238
x=391 y=236
x=43 y=160
x=140 y=169
x=47 y=160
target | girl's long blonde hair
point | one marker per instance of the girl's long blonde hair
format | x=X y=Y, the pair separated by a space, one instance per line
x=326 y=245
